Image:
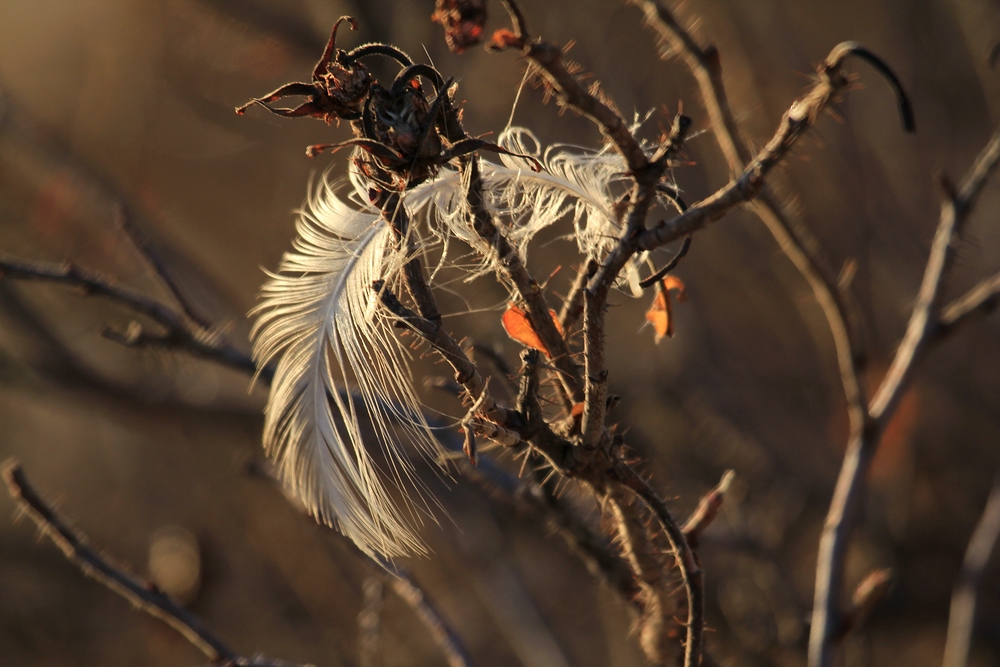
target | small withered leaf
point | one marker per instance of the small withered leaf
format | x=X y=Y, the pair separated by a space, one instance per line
x=517 y=325
x=660 y=314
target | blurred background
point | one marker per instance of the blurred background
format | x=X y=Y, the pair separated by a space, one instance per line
x=131 y=101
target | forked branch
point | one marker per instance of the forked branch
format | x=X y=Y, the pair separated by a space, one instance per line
x=925 y=322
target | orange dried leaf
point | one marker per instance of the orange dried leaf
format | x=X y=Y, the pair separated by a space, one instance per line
x=517 y=325
x=660 y=314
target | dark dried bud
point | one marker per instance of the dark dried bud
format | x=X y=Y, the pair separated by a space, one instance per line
x=342 y=90
x=400 y=120
x=463 y=22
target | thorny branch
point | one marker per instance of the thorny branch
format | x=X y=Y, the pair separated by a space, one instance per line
x=836 y=302
x=747 y=185
x=795 y=240
x=647 y=172
x=143 y=594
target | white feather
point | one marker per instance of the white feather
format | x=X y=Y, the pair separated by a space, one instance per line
x=576 y=183
x=319 y=319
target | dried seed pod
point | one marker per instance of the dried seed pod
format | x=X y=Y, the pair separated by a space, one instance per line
x=463 y=22
x=338 y=90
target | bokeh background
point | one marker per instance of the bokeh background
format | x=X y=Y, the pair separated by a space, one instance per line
x=131 y=101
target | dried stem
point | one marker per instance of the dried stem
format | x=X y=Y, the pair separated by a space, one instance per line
x=861 y=447
x=572 y=307
x=687 y=564
x=142 y=594
x=981 y=298
x=515 y=273
x=961 y=619
x=180 y=331
x=406 y=587
x=570 y=92
x=152 y=257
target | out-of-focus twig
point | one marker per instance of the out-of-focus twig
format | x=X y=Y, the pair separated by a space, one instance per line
x=707 y=509
x=961 y=619
x=180 y=331
x=149 y=252
x=405 y=586
x=861 y=448
x=92 y=283
x=142 y=594
x=980 y=299
x=867 y=596
x=370 y=622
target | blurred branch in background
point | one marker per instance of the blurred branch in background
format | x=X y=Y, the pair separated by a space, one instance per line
x=962 y=618
x=744 y=593
x=184 y=334
x=802 y=248
x=142 y=594
x=180 y=331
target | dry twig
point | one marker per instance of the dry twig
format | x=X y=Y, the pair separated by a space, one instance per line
x=142 y=594
x=180 y=331
x=961 y=619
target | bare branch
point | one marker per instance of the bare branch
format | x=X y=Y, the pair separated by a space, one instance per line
x=145 y=247
x=707 y=510
x=961 y=619
x=954 y=212
x=548 y=58
x=181 y=333
x=406 y=587
x=142 y=594
x=862 y=445
x=981 y=298
x=797 y=120
x=572 y=307
x=687 y=564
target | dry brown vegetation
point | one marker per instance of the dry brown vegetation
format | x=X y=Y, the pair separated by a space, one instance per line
x=580 y=521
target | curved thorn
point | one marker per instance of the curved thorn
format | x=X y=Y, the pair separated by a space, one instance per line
x=376 y=49
x=902 y=100
x=466 y=146
x=287 y=90
x=412 y=72
x=331 y=46
x=375 y=148
x=670 y=266
x=673 y=194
